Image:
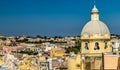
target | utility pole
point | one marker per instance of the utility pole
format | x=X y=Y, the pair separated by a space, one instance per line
x=102 y=61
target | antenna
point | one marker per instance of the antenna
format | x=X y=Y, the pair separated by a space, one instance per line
x=94 y=2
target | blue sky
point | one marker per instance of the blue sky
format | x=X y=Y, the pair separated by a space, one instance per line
x=54 y=17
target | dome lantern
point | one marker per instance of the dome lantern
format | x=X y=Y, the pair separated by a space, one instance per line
x=94 y=10
x=94 y=13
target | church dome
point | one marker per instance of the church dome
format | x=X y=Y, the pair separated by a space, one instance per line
x=95 y=27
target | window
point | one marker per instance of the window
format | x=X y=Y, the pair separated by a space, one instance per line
x=96 y=46
x=118 y=48
x=78 y=65
x=113 y=43
x=26 y=63
x=106 y=46
x=86 y=46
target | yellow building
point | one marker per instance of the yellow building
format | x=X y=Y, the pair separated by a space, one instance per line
x=57 y=52
x=1 y=62
x=74 y=63
x=26 y=65
x=95 y=35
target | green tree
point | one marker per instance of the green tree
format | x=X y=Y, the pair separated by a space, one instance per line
x=72 y=49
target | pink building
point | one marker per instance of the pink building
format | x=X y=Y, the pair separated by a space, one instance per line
x=57 y=64
x=11 y=49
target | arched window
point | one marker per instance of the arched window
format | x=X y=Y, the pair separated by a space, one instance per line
x=106 y=46
x=96 y=46
x=86 y=46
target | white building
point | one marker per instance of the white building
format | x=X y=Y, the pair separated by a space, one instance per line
x=115 y=45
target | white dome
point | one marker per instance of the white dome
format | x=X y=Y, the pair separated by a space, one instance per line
x=95 y=27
